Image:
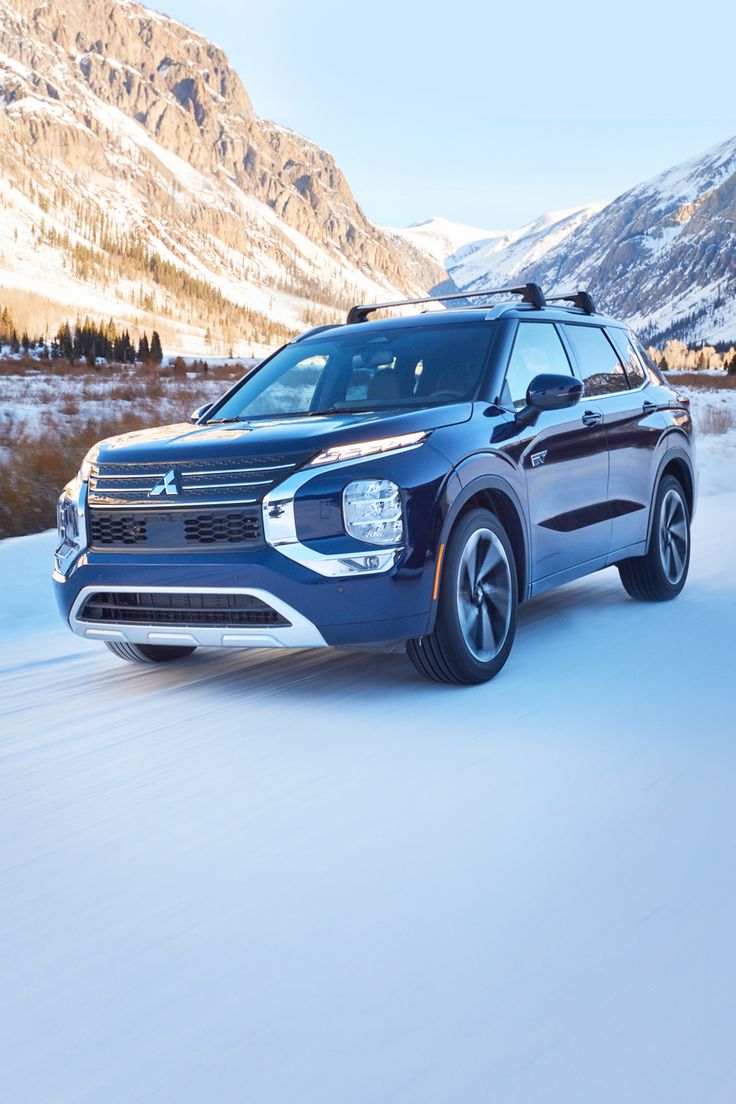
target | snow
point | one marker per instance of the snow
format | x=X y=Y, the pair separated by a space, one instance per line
x=313 y=877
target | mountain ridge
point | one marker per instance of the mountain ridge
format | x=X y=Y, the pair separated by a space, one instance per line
x=659 y=256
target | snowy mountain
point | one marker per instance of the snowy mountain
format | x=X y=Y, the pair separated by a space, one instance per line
x=662 y=254
x=138 y=182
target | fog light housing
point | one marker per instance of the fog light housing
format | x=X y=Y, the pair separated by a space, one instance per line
x=71 y=524
x=372 y=511
x=67 y=520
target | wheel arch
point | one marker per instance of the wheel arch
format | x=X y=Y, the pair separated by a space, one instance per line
x=497 y=495
x=675 y=462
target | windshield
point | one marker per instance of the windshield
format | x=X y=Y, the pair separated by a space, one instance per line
x=333 y=372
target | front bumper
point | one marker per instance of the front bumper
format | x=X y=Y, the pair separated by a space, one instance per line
x=321 y=611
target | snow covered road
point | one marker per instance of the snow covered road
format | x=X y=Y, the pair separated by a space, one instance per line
x=288 y=878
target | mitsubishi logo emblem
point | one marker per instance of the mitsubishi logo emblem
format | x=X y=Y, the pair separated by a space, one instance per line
x=169 y=485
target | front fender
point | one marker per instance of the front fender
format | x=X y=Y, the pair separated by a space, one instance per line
x=474 y=477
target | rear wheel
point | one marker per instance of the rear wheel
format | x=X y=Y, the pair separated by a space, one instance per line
x=476 y=616
x=660 y=575
x=148 y=653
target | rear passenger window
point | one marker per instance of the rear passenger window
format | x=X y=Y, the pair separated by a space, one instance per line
x=537 y=349
x=601 y=370
x=634 y=368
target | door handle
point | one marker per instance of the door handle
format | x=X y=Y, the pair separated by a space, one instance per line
x=592 y=417
x=649 y=407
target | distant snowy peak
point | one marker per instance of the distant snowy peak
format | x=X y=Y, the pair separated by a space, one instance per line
x=441 y=238
x=501 y=257
x=476 y=258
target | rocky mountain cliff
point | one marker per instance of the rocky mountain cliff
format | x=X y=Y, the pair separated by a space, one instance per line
x=136 y=176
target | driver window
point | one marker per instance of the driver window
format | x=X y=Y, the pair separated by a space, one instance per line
x=537 y=349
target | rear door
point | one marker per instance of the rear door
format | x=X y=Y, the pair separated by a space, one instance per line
x=565 y=461
x=635 y=426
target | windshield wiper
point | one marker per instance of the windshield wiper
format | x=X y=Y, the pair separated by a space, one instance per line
x=341 y=410
x=224 y=421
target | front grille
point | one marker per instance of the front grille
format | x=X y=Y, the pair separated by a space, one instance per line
x=112 y=529
x=168 y=530
x=180 y=609
x=234 y=528
x=193 y=483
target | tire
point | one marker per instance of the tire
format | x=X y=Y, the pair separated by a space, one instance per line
x=148 y=653
x=476 y=615
x=660 y=575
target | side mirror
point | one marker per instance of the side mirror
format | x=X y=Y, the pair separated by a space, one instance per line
x=200 y=412
x=553 y=392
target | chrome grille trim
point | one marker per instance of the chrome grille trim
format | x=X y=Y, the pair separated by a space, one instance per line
x=123 y=485
x=235 y=471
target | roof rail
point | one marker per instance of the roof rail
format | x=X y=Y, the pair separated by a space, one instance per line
x=316 y=330
x=581 y=299
x=530 y=293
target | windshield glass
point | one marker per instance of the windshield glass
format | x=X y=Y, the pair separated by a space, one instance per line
x=398 y=367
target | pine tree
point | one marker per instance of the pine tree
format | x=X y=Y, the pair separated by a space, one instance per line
x=143 y=350
x=157 y=353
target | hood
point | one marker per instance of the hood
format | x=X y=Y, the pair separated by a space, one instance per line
x=298 y=437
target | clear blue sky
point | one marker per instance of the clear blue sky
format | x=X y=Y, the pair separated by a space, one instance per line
x=485 y=114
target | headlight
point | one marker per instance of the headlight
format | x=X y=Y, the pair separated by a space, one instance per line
x=369 y=448
x=372 y=511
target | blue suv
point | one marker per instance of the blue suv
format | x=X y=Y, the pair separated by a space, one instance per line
x=401 y=483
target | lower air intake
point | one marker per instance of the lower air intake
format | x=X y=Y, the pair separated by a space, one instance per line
x=161 y=608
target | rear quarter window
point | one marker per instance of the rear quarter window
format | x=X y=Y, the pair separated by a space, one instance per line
x=633 y=365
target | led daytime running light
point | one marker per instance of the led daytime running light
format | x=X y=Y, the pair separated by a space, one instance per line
x=339 y=453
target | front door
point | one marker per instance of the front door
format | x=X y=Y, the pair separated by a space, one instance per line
x=565 y=461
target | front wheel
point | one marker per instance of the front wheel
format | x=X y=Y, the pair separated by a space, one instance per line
x=148 y=653
x=476 y=615
x=660 y=575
